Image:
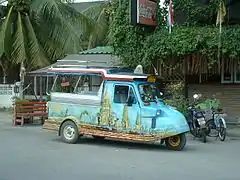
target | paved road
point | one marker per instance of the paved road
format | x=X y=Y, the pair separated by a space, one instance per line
x=30 y=153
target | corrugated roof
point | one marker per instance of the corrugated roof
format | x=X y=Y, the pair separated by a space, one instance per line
x=99 y=50
x=96 y=60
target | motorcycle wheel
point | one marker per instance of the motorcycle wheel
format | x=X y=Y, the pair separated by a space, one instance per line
x=209 y=128
x=192 y=129
x=222 y=131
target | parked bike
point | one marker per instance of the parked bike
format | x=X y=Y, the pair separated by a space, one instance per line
x=215 y=122
x=196 y=121
x=217 y=125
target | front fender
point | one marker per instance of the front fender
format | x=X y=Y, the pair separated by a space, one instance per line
x=223 y=121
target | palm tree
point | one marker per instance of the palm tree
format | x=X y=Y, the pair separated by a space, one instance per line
x=101 y=14
x=37 y=32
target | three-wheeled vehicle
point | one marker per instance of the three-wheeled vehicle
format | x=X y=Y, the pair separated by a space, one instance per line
x=112 y=103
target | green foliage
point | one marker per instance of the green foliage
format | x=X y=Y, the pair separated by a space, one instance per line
x=175 y=91
x=39 y=32
x=196 y=13
x=188 y=40
x=20 y=5
x=99 y=13
x=136 y=45
x=127 y=40
x=208 y=103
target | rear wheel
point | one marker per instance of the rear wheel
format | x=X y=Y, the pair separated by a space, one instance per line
x=211 y=128
x=69 y=132
x=176 y=142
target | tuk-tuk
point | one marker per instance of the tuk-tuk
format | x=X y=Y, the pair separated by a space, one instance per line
x=112 y=103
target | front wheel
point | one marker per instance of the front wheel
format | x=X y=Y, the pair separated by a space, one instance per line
x=69 y=132
x=176 y=142
x=222 y=131
x=192 y=128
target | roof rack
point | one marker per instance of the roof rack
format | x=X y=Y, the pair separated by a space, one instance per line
x=62 y=63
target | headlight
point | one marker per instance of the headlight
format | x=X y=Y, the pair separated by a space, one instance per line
x=158 y=112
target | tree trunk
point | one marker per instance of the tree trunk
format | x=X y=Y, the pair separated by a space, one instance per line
x=4 y=73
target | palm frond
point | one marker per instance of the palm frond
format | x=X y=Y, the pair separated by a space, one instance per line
x=98 y=12
x=63 y=20
x=54 y=47
x=99 y=34
x=94 y=10
x=37 y=57
x=6 y=34
x=19 y=45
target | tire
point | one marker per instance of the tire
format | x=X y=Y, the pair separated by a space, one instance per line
x=192 y=129
x=210 y=128
x=98 y=137
x=222 y=131
x=69 y=132
x=177 y=142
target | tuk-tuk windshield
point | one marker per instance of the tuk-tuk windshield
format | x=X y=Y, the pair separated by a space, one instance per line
x=149 y=92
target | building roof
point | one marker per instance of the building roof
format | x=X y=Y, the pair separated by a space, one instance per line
x=98 y=50
x=97 y=57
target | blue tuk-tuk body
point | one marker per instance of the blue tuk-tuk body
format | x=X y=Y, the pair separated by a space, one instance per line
x=126 y=106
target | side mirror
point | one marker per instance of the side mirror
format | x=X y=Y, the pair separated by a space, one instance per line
x=130 y=100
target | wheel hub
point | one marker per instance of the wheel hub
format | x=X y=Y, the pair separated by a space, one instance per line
x=69 y=132
x=174 y=141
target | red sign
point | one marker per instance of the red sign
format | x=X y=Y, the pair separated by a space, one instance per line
x=146 y=12
x=65 y=84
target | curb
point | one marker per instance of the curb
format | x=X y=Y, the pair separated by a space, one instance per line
x=233 y=134
x=230 y=133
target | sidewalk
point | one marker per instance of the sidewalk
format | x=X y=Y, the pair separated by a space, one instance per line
x=233 y=131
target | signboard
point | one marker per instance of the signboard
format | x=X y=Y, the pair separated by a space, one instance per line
x=144 y=12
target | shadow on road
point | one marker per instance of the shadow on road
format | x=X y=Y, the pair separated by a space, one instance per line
x=112 y=143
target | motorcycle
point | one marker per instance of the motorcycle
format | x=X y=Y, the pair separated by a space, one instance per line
x=214 y=116
x=196 y=121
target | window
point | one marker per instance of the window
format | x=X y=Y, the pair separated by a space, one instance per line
x=149 y=92
x=121 y=94
x=65 y=83
x=88 y=85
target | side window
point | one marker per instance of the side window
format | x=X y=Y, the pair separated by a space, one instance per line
x=88 y=85
x=65 y=83
x=121 y=94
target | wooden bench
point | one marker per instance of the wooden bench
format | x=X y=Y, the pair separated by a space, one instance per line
x=29 y=110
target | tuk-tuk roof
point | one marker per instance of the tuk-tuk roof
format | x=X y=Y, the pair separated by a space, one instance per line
x=120 y=74
x=107 y=73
